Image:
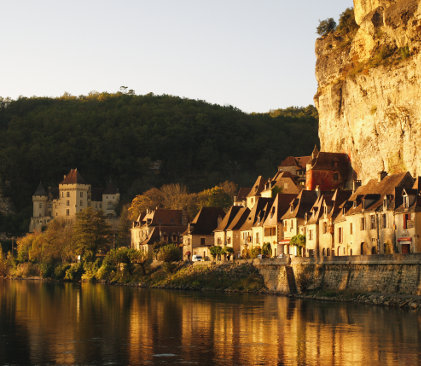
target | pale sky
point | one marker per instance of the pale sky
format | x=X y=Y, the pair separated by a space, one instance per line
x=255 y=55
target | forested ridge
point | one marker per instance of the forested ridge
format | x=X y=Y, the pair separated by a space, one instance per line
x=119 y=136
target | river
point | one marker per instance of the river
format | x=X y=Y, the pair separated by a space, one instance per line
x=46 y=323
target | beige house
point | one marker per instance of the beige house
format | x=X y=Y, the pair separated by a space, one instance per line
x=157 y=226
x=220 y=233
x=273 y=232
x=233 y=231
x=199 y=236
x=282 y=182
x=74 y=195
x=255 y=192
x=294 y=219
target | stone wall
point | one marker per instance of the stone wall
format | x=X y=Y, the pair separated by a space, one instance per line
x=388 y=274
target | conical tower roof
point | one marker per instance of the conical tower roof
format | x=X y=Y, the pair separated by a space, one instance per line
x=40 y=191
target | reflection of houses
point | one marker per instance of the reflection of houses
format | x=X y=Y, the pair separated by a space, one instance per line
x=157 y=226
x=74 y=195
x=199 y=236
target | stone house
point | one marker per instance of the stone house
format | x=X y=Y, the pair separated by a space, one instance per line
x=199 y=235
x=296 y=166
x=220 y=233
x=294 y=219
x=241 y=198
x=282 y=182
x=252 y=229
x=233 y=231
x=273 y=232
x=255 y=192
x=157 y=226
x=328 y=171
x=74 y=195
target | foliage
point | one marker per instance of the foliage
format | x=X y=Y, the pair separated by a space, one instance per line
x=347 y=22
x=4 y=268
x=255 y=251
x=122 y=136
x=74 y=272
x=326 y=26
x=267 y=249
x=170 y=253
x=91 y=233
x=298 y=240
x=276 y=190
x=216 y=251
x=214 y=197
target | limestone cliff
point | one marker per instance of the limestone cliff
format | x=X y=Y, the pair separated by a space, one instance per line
x=369 y=87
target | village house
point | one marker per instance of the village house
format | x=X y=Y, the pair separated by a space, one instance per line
x=367 y=223
x=328 y=171
x=241 y=198
x=255 y=192
x=220 y=233
x=157 y=226
x=233 y=231
x=74 y=195
x=199 y=236
x=296 y=166
x=273 y=232
x=282 y=182
x=251 y=232
x=294 y=219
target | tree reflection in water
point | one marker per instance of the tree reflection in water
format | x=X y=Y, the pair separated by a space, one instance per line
x=79 y=324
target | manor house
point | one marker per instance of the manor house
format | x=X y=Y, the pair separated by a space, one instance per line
x=74 y=195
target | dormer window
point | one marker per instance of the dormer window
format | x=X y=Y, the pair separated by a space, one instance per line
x=405 y=201
x=385 y=203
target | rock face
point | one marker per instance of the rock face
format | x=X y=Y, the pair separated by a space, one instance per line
x=369 y=88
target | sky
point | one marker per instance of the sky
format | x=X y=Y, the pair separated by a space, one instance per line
x=256 y=55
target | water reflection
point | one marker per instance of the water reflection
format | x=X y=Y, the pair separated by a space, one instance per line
x=71 y=324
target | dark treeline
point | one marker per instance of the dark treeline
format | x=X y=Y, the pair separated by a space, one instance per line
x=119 y=136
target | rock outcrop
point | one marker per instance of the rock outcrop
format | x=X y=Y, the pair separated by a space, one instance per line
x=369 y=88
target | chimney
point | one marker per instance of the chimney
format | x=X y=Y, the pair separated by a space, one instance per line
x=382 y=175
x=355 y=185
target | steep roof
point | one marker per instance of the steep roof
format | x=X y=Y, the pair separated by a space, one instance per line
x=206 y=220
x=318 y=208
x=242 y=193
x=301 y=204
x=257 y=213
x=73 y=177
x=229 y=216
x=239 y=219
x=331 y=161
x=257 y=187
x=278 y=208
x=40 y=191
x=163 y=217
x=296 y=161
x=156 y=232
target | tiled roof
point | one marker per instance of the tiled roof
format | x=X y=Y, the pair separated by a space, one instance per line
x=278 y=208
x=163 y=217
x=206 y=220
x=230 y=215
x=242 y=193
x=239 y=219
x=257 y=187
x=298 y=161
x=257 y=213
x=73 y=177
x=301 y=204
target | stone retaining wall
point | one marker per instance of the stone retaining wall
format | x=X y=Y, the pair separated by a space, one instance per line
x=388 y=274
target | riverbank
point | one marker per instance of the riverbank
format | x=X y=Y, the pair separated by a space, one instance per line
x=377 y=280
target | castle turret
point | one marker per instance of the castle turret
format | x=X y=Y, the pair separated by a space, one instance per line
x=39 y=200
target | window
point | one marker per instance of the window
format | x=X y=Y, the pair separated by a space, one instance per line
x=340 y=235
x=202 y=241
x=67 y=194
x=350 y=228
x=384 y=221
x=310 y=234
x=81 y=203
x=362 y=223
x=405 y=201
x=229 y=240
x=40 y=205
x=67 y=212
x=324 y=227
x=67 y=203
x=372 y=222
x=406 y=218
x=81 y=194
x=257 y=238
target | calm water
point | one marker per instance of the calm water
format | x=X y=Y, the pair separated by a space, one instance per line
x=95 y=324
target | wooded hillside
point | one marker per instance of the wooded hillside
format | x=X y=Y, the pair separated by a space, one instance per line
x=120 y=136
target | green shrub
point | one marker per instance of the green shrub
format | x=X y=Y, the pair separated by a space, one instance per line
x=267 y=249
x=60 y=271
x=254 y=252
x=46 y=270
x=326 y=26
x=27 y=269
x=170 y=253
x=75 y=272
x=215 y=251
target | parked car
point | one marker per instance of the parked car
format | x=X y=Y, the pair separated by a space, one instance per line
x=196 y=258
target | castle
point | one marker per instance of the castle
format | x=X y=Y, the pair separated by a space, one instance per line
x=74 y=195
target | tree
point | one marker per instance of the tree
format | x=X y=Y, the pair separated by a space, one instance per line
x=229 y=251
x=170 y=253
x=214 y=197
x=326 y=26
x=347 y=22
x=267 y=249
x=215 y=252
x=148 y=200
x=299 y=241
x=91 y=233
